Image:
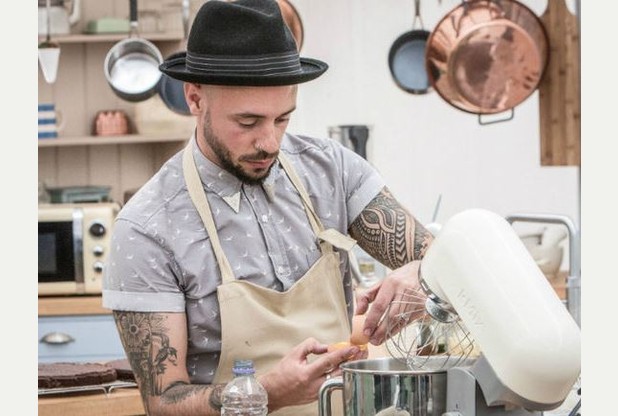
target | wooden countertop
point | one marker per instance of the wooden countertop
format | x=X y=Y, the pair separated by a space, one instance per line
x=71 y=305
x=119 y=402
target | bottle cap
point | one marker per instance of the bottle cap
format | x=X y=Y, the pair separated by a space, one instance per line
x=243 y=367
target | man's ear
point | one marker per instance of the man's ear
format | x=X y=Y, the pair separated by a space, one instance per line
x=194 y=97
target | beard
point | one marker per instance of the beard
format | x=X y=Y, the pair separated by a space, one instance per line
x=227 y=162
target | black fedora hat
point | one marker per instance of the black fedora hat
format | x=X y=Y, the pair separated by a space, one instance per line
x=241 y=43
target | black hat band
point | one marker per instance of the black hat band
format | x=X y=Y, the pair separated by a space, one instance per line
x=287 y=63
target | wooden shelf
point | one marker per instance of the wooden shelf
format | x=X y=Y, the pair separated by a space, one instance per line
x=123 y=162
x=105 y=140
x=113 y=37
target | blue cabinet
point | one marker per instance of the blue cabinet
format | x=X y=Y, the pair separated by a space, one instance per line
x=78 y=338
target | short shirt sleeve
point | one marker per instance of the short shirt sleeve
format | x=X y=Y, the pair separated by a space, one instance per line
x=362 y=182
x=140 y=275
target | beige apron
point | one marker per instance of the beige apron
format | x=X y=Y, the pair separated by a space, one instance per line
x=263 y=324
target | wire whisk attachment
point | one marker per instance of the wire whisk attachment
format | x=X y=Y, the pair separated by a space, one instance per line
x=414 y=334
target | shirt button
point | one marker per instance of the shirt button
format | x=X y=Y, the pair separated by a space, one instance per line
x=264 y=218
x=280 y=269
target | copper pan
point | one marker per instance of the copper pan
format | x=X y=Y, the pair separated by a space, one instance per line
x=487 y=56
x=292 y=19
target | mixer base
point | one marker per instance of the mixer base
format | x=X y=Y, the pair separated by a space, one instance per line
x=465 y=398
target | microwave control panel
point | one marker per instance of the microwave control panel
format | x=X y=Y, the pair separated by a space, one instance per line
x=98 y=224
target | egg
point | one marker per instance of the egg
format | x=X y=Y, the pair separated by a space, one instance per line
x=338 y=345
x=345 y=344
x=358 y=337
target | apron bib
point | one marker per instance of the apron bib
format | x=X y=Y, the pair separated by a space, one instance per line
x=253 y=318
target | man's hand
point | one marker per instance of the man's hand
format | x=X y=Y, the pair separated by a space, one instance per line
x=401 y=290
x=295 y=380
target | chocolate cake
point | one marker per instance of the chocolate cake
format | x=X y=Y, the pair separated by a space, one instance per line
x=123 y=369
x=54 y=375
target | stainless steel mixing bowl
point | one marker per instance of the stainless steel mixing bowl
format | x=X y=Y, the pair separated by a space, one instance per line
x=386 y=386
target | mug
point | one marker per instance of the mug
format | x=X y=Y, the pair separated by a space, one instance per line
x=50 y=121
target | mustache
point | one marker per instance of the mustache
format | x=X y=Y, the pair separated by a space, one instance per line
x=259 y=155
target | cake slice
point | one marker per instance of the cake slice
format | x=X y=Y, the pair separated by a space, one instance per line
x=123 y=369
x=70 y=374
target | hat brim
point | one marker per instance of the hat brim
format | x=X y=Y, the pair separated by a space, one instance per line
x=175 y=67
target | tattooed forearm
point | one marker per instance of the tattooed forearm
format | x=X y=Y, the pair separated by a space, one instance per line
x=214 y=400
x=180 y=391
x=389 y=233
x=147 y=347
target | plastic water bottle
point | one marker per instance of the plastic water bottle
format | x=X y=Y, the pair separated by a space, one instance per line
x=244 y=395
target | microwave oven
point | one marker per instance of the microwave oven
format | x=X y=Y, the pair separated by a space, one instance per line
x=74 y=242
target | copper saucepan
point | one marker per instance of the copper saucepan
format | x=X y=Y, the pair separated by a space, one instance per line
x=292 y=19
x=487 y=56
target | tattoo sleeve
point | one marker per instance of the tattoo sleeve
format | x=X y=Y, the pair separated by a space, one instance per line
x=155 y=345
x=147 y=346
x=389 y=233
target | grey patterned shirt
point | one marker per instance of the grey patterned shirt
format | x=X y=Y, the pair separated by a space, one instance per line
x=162 y=261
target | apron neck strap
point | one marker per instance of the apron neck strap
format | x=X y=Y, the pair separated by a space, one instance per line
x=198 y=196
x=314 y=220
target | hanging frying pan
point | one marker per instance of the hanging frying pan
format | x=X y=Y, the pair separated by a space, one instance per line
x=406 y=58
x=487 y=56
x=171 y=90
x=132 y=65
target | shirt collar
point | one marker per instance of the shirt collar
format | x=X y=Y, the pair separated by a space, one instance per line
x=226 y=185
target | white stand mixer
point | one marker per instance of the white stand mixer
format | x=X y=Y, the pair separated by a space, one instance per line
x=530 y=343
x=479 y=285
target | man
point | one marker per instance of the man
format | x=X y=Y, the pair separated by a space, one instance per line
x=237 y=247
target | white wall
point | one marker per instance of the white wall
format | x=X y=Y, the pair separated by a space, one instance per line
x=423 y=146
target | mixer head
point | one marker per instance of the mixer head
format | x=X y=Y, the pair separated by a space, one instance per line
x=417 y=328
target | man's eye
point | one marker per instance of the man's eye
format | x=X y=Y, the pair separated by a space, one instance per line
x=283 y=120
x=247 y=124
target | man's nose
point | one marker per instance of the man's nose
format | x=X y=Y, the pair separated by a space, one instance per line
x=268 y=140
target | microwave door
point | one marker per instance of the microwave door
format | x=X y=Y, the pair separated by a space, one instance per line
x=60 y=250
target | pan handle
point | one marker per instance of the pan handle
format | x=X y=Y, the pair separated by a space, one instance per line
x=500 y=120
x=457 y=23
x=185 y=17
x=417 y=15
x=133 y=16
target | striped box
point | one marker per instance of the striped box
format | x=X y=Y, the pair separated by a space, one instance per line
x=48 y=124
